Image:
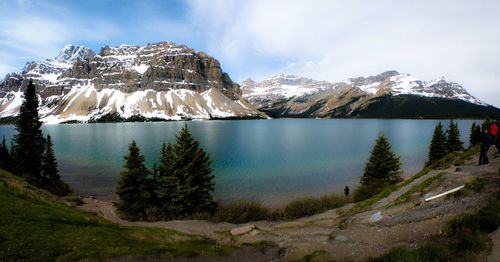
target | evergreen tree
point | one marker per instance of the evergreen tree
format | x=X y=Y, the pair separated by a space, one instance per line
x=4 y=156
x=438 y=148
x=50 y=175
x=475 y=134
x=472 y=139
x=453 y=142
x=169 y=200
x=190 y=164
x=29 y=142
x=133 y=187
x=381 y=170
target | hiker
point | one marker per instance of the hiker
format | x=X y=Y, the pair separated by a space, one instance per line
x=485 y=145
x=346 y=191
x=495 y=140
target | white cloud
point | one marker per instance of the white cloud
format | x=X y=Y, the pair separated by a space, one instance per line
x=26 y=36
x=334 y=40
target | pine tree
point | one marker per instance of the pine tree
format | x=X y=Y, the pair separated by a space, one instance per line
x=5 y=156
x=472 y=139
x=190 y=164
x=475 y=134
x=438 y=148
x=29 y=142
x=169 y=200
x=133 y=187
x=50 y=174
x=453 y=142
x=381 y=170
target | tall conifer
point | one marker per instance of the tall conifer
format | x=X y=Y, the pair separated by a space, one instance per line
x=29 y=142
x=453 y=140
x=381 y=170
x=5 y=157
x=50 y=174
x=133 y=187
x=438 y=148
x=167 y=185
x=190 y=164
x=472 y=137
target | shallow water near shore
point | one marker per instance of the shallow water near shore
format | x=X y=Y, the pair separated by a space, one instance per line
x=268 y=161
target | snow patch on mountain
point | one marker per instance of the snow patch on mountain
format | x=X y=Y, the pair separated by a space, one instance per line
x=282 y=86
x=86 y=104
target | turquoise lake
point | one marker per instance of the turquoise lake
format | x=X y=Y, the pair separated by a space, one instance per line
x=269 y=161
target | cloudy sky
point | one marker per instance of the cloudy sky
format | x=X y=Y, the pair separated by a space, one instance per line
x=323 y=39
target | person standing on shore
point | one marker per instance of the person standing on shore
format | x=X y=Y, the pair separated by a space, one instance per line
x=493 y=130
x=485 y=145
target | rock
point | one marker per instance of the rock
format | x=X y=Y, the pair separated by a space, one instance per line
x=376 y=217
x=242 y=230
x=159 y=66
x=156 y=81
x=341 y=238
x=254 y=232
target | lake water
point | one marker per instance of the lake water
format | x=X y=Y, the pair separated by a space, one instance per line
x=269 y=161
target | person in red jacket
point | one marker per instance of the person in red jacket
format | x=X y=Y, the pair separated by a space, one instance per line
x=493 y=132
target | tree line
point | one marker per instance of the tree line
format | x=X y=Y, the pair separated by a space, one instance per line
x=31 y=155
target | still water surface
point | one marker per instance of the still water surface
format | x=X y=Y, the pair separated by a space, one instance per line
x=269 y=161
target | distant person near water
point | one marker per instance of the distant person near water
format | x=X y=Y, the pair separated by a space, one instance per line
x=346 y=191
x=485 y=145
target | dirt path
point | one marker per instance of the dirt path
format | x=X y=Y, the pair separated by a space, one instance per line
x=366 y=234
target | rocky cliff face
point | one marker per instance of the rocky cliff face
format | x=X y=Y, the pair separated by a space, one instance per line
x=292 y=96
x=127 y=81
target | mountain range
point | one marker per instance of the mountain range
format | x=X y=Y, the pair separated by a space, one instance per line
x=387 y=95
x=164 y=81
x=168 y=81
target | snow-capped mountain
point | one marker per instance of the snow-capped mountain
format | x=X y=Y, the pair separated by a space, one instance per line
x=405 y=84
x=47 y=72
x=157 y=81
x=281 y=86
x=293 y=96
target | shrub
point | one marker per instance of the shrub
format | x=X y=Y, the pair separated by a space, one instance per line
x=310 y=206
x=241 y=212
x=468 y=230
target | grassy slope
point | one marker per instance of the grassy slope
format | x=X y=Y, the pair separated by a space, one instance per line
x=34 y=227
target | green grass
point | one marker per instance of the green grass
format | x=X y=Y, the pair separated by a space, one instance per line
x=476 y=185
x=363 y=205
x=34 y=227
x=417 y=189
